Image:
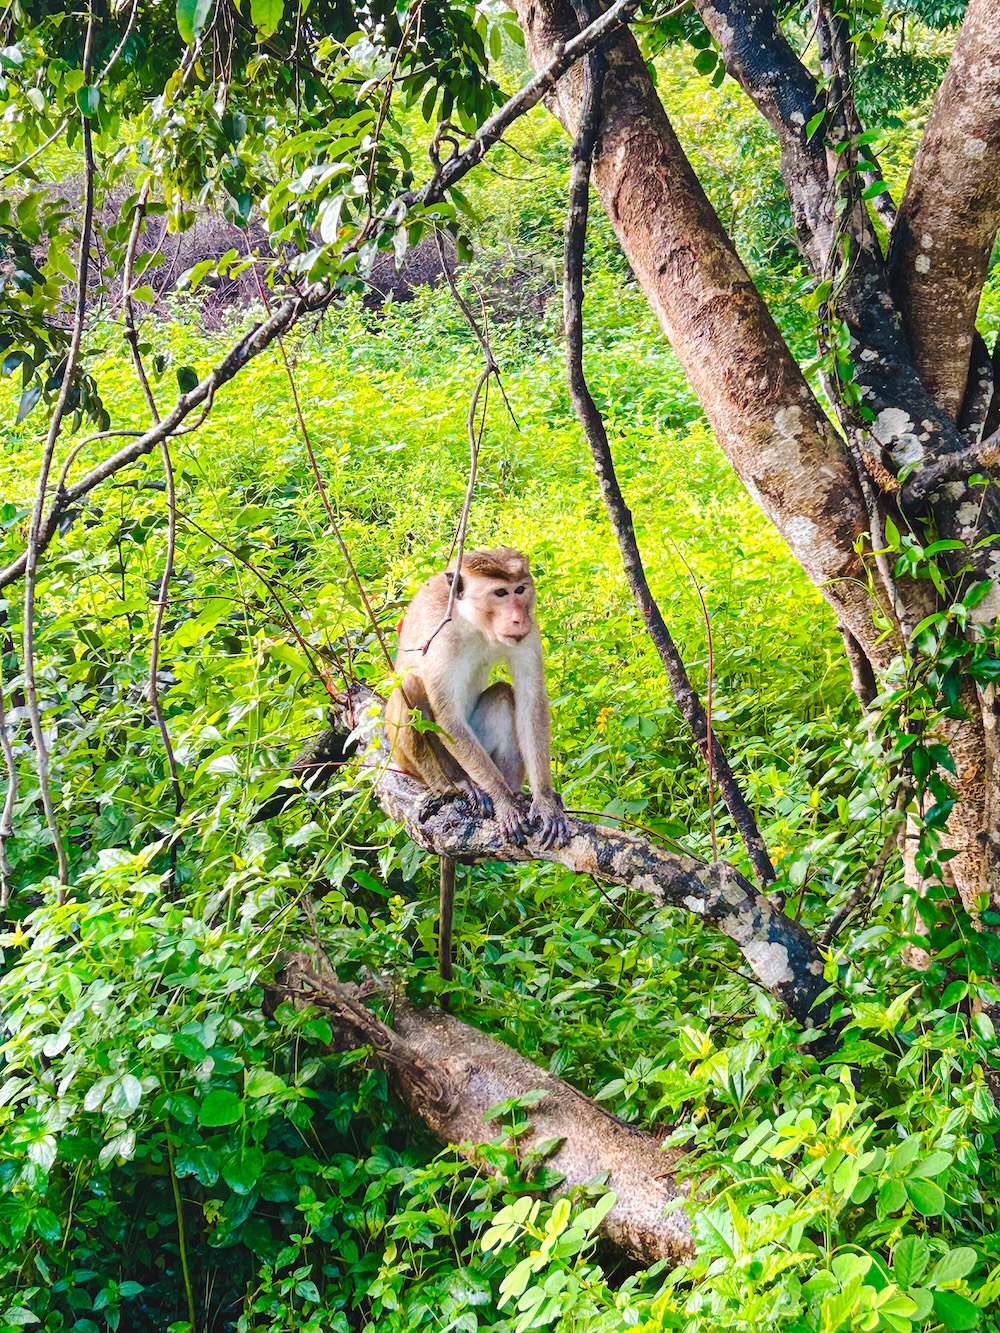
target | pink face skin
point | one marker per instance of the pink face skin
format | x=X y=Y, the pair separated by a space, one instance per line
x=502 y=610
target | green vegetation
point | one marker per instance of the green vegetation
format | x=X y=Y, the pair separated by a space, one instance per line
x=165 y=1148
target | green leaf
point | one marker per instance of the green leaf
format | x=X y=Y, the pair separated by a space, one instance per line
x=29 y=399
x=932 y=1165
x=129 y=1289
x=219 y=1108
x=954 y=1265
x=815 y=122
x=192 y=15
x=266 y=15
x=187 y=379
x=241 y=1169
x=705 y=62
x=88 y=100
x=891 y=1197
x=262 y=1083
x=955 y=1311
x=926 y=1197
x=876 y=188
x=910 y=1259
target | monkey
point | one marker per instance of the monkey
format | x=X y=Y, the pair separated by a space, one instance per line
x=485 y=737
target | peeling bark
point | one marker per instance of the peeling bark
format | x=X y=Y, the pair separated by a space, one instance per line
x=951 y=210
x=779 y=951
x=450 y=1075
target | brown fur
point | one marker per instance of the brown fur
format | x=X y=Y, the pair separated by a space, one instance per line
x=483 y=736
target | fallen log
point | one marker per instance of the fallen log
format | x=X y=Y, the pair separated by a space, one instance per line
x=450 y=1075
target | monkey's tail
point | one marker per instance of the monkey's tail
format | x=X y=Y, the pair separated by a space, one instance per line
x=446 y=910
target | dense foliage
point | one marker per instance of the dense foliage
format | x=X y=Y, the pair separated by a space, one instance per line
x=170 y=1155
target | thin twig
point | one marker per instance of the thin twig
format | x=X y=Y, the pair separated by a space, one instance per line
x=7 y=814
x=163 y=596
x=34 y=531
x=709 y=696
x=272 y=588
x=35 y=152
x=594 y=429
x=321 y=485
x=475 y=441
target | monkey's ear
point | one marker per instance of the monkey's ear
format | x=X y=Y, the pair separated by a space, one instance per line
x=459 y=587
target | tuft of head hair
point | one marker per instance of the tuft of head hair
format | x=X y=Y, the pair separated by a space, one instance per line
x=502 y=563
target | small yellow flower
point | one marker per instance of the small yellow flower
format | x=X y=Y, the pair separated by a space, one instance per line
x=602 y=718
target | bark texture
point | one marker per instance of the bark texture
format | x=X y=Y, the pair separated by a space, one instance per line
x=951 y=210
x=450 y=1076
x=779 y=951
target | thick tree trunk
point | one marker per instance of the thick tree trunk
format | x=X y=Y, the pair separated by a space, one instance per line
x=451 y=1076
x=764 y=414
x=949 y=217
x=820 y=494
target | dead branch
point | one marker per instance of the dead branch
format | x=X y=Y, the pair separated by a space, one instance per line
x=780 y=952
x=450 y=1076
x=685 y=696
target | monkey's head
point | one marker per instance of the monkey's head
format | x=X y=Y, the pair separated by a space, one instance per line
x=496 y=593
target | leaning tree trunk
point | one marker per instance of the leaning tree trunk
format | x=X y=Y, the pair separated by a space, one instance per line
x=822 y=486
x=451 y=1076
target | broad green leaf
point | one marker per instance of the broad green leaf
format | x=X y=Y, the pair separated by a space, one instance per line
x=957 y=1263
x=955 y=1311
x=262 y=1083
x=933 y=1164
x=220 y=1107
x=891 y=1197
x=910 y=1259
x=192 y=15
x=266 y=15
x=241 y=1169
x=926 y=1197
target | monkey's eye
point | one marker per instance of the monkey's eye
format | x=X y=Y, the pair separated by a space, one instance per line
x=520 y=590
x=501 y=592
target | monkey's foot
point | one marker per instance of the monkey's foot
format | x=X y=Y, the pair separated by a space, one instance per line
x=431 y=805
x=477 y=800
x=553 y=826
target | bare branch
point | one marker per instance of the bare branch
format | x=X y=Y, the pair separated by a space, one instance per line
x=34 y=546
x=132 y=338
x=591 y=420
x=10 y=798
x=778 y=950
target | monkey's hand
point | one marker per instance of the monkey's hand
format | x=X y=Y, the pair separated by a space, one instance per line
x=547 y=812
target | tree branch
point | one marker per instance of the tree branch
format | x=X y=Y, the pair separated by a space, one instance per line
x=778 y=950
x=35 y=545
x=951 y=210
x=451 y=1075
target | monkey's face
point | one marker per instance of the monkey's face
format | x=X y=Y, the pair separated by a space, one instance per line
x=502 y=610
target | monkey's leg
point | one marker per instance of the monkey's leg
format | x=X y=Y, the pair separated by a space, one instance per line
x=493 y=722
